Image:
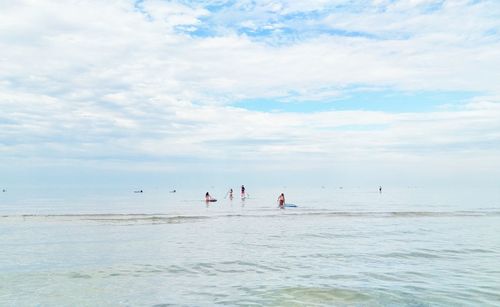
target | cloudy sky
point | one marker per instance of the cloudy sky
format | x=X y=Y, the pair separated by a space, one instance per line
x=342 y=90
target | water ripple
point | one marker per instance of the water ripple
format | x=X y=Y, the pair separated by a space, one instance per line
x=161 y=218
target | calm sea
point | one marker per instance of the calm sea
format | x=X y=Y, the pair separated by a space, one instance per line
x=350 y=246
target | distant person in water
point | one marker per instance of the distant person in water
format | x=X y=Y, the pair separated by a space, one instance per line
x=230 y=193
x=140 y=191
x=173 y=191
x=380 y=189
x=208 y=197
x=281 y=201
x=243 y=191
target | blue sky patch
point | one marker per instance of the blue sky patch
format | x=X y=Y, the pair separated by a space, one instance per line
x=386 y=101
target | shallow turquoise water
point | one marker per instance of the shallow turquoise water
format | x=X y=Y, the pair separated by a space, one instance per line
x=339 y=247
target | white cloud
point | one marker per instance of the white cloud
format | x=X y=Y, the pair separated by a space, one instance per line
x=87 y=80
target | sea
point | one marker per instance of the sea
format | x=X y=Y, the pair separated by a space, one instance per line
x=341 y=246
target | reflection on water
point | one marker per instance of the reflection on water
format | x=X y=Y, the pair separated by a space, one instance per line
x=348 y=249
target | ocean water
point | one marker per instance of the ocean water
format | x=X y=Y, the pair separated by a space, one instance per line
x=339 y=247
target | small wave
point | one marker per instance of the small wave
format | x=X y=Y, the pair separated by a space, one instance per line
x=120 y=218
x=162 y=218
x=386 y=214
x=408 y=255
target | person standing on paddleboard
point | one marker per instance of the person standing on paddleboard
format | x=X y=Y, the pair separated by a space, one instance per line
x=281 y=201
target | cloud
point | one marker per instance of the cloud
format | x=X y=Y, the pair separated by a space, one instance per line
x=120 y=82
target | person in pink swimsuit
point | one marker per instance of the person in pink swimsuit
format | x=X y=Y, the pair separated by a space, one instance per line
x=281 y=201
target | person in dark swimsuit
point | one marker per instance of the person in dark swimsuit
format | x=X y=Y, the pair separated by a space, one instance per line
x=243 y=191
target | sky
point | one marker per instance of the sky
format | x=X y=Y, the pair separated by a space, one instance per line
x=317 y=92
